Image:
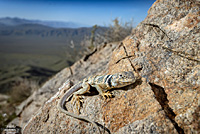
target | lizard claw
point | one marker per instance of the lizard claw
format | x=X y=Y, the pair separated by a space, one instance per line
x=77 y=98
x=107 y=95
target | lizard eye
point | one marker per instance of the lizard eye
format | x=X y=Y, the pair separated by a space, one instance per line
x=120 y=75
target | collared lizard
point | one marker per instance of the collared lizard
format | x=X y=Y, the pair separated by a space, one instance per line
x=101 y=83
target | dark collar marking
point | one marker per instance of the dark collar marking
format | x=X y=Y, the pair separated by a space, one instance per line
x=109 y=81
x=105 y=80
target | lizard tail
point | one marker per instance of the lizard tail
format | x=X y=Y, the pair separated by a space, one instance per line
x=79 y=117
x=62 y=108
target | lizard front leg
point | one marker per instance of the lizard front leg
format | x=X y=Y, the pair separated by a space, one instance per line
x=85 y=88
x=101 y=92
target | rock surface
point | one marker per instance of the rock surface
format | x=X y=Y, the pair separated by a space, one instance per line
x=164 y=49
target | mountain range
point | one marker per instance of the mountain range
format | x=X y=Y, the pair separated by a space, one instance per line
x=8 y=21
x=29 y=47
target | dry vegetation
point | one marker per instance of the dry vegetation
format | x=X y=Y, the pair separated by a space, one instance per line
x=115 y=32
x=20 y=91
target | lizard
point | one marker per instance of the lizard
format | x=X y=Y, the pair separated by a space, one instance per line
x=101 y=83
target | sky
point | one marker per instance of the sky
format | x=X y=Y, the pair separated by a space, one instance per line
x=88 y=12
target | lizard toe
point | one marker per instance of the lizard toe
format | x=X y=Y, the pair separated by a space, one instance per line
x=107 y=95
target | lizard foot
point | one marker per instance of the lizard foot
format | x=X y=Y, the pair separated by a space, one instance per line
x=78 y=101
x=107 y=95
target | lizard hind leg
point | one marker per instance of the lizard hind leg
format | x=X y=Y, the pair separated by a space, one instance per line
x=77 y=95
x=78 y=100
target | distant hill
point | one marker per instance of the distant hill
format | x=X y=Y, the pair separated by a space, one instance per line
x=55 y=24
x=40 y=33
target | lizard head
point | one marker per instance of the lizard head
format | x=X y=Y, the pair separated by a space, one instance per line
x=123 y=79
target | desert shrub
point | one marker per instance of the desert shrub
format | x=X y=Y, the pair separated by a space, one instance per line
x=5 y=119
x=118 y=31
x=90 y=41
x=22 y=89
x=115 y=32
